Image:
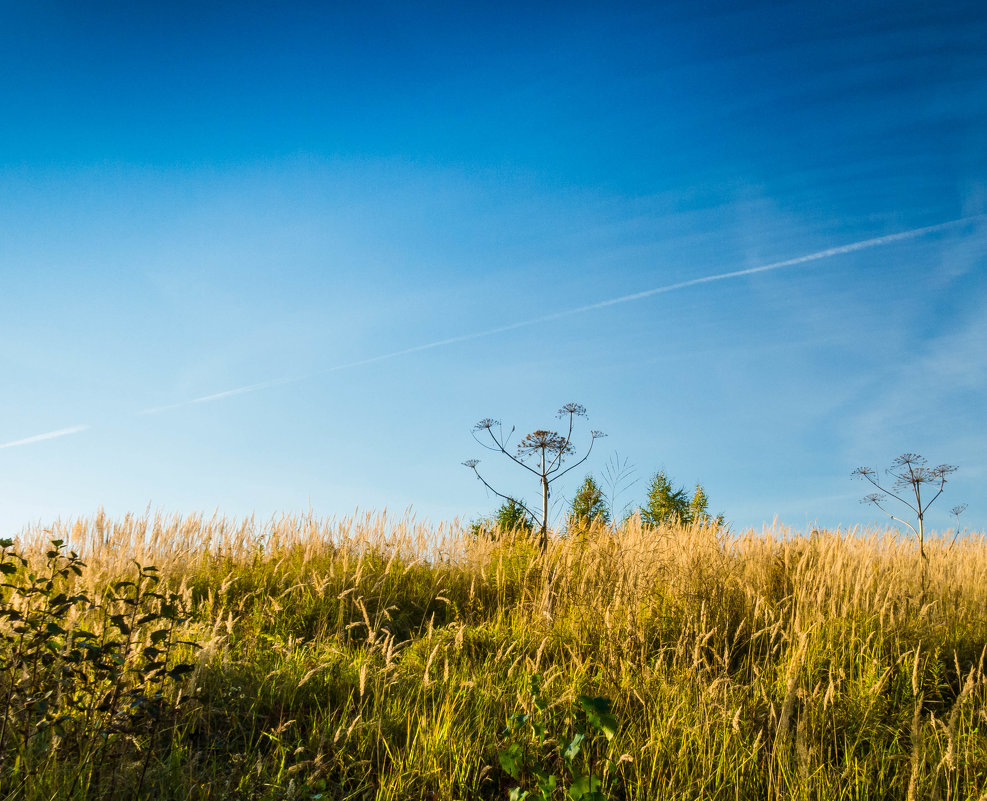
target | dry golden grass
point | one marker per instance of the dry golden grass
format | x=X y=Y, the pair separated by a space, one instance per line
x=378 y=658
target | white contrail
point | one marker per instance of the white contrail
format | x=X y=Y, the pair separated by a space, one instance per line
x=647 y=293
x=225 y=394
x=62 y=432
x=821 y=254
x=778 y=265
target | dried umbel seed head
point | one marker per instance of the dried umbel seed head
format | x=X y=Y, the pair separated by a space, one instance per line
x=547 y=441
x=574 y=409
x=486 y=424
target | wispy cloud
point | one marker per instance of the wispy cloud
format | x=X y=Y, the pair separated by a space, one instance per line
x=62 y=432
x=840 y=250
x=910 y=399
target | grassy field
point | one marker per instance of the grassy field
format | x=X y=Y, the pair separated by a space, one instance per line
x=378 y=659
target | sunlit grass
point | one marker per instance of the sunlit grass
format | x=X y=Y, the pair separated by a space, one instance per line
x=377 y=658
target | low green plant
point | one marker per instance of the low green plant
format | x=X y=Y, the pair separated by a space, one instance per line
x=84 y=682
x=585 y=757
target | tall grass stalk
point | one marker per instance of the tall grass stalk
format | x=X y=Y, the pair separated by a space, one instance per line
x=379 y=658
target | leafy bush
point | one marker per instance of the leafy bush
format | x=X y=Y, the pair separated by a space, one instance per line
x=85 y=681
x=584 y=762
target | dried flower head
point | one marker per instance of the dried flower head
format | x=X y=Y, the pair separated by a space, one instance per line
x=924 y=485
x=544 y=441
x=910 y=470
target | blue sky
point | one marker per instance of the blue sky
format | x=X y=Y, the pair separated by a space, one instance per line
x=200 y=198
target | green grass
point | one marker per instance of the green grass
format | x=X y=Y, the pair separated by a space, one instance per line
x=371 y=659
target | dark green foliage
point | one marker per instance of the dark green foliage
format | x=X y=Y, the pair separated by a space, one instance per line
x=579 y=751
x=664 y=503
x=589 y=505
x=84 y=681
x=667 y=505
x=512 y=516
x=699 y=509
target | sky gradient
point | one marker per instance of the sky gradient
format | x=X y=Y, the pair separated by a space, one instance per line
x=266 y=258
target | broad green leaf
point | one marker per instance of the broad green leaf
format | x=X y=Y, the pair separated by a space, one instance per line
x=598 y=714
x=180 y=670
x=607 y=724
x=512 y=760
x=572 y=750
x=121 y=623
x=546 y=783
x=539 y=729
x=601 y=706
x=584 y=788
x=515 y=722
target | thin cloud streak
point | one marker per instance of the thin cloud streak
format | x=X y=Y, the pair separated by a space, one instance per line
x=853 y=247
x=225 y=394
x=840 y=250
x=62 y=432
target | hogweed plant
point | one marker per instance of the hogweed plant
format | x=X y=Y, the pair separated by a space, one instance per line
x=541 y=453
x=956 y=512
x=910 y=475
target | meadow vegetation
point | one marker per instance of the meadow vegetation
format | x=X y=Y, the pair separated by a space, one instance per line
x=373 y=658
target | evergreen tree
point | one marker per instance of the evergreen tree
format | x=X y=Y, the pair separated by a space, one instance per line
x=589 y=505
x=699 y=509
x=664 y=504
x=513 y=516
x=698 y=506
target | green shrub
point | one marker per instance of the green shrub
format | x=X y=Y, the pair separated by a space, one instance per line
x=85 y=682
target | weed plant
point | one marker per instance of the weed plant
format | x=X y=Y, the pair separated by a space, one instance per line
x=370 y=658
x=86 y=682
